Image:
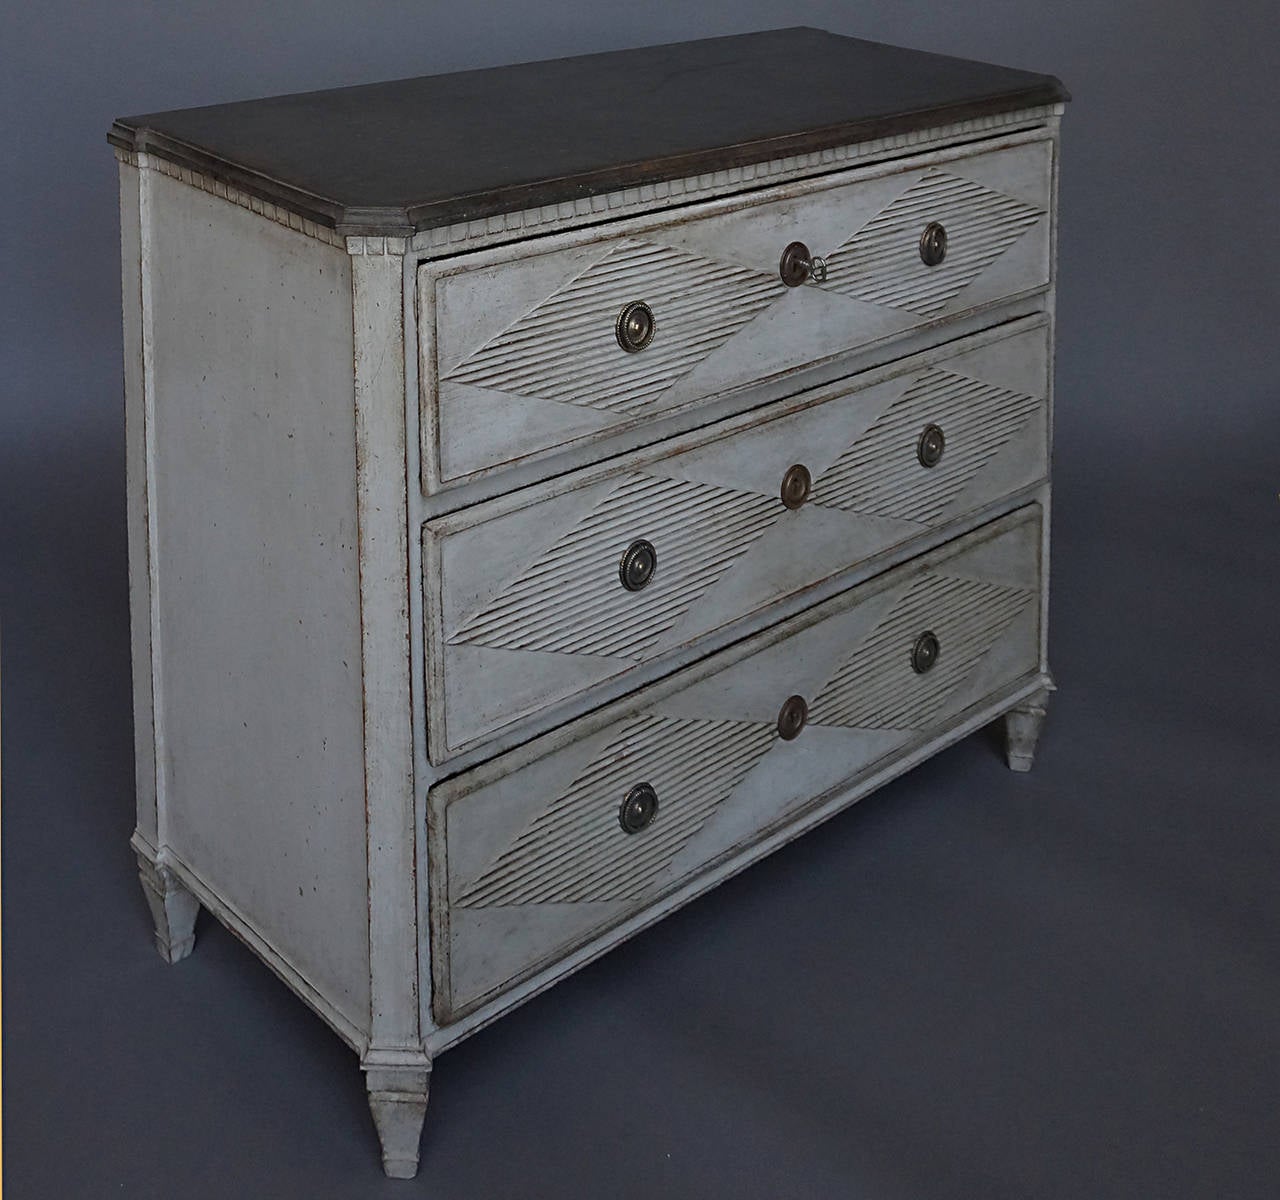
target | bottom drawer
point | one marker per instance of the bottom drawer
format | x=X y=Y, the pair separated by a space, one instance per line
x=545 y=848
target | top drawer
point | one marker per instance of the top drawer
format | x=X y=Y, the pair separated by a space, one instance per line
x=521 y=346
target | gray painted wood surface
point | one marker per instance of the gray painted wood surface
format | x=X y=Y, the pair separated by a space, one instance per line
x=535 y=862
x=526 y=587
x=254 y=634
x=305 y=593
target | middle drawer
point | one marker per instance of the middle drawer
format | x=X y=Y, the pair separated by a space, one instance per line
x=536 y=597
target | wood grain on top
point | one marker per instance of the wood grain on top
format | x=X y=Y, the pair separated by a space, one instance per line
x=415 y=153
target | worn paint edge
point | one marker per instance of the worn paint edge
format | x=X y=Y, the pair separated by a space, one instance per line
x=147 y=266
x=137 y=499
x=1051 y=310
x=382 y=486
x=233 y=194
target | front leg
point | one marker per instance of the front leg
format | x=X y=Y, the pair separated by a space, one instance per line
x=1022 y=727
x=173 y=908
x=398 y=1084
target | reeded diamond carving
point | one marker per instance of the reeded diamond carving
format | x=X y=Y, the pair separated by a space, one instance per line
x=880 y=475
x=566 y=349
x=574 y=851
x=881 y=263
x=876 y=688
x=569 y=600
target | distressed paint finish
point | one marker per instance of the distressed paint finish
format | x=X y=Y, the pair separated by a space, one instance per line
x=234 y=781
x=521 y=358
x=396 y=1066
x=1022 y=727
x=536 y=862
x=144 y=653
x=502 y=854
x=384 y=632
x=398 y=1084
x=527 y=586
x=253 y=489
x=173 y=908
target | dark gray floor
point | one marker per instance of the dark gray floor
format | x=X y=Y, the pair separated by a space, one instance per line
x=973 y=985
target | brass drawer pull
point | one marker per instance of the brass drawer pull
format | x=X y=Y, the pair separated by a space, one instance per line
x=924 y=654
x=639 y=562
x=635 y=326
x=791 y=717
x=931 y=445
x=933 y=244
x=795 y=486
x=639 y=807
x=797 y=265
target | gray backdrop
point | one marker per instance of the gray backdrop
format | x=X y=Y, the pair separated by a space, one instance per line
x=973 y=985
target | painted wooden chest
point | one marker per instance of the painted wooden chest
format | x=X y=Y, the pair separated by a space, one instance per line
x=552 y=488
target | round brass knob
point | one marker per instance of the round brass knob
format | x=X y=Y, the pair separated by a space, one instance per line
x=797 y=265
x=791 y=717
x=933 y=244
x=639 y=807
x=924 y=654
x=795 y=486
x=635 y=326
x=931 y=445
x=638 y=564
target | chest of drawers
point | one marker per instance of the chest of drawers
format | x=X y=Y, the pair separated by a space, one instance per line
x=552 y=488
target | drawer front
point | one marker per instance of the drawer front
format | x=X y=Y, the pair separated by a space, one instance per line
x=525 y=599
x=543 y=849
x=522 y=350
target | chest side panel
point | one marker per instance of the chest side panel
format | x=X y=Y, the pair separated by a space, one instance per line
x=257 y=579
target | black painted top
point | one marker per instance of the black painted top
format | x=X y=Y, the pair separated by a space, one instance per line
x=415 y=153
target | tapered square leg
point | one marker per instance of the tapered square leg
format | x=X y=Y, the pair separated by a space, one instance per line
x=1022 y=727
x=173 y=908
x=398 y=1100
